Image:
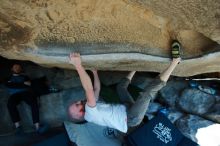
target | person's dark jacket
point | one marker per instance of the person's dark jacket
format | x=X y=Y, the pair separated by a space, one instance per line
x=15 y=83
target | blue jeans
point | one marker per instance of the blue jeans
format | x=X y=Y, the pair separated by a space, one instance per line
x=137 y=109
x=27 y=96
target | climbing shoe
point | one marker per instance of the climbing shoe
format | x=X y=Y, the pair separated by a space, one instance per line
x=176 y=48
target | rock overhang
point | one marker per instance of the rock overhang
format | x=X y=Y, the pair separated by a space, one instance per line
x=125 y=35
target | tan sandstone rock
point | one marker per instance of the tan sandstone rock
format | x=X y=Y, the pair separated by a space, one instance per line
x=113 y=34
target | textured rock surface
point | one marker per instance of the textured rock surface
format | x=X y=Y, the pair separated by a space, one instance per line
x=196 y=101
x=112 y=34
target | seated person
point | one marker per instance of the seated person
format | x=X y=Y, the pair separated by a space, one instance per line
x=19 y=87
x=118 y=116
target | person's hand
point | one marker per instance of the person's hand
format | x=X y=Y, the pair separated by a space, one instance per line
x=94 y=71
x=75 y=59
x=177 y=60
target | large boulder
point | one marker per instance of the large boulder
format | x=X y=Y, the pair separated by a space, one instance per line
x=195 y=101
x=112 y=34
x=170 y=94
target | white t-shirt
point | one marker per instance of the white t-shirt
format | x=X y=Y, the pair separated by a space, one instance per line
x=90 y=134
x=110 y=115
